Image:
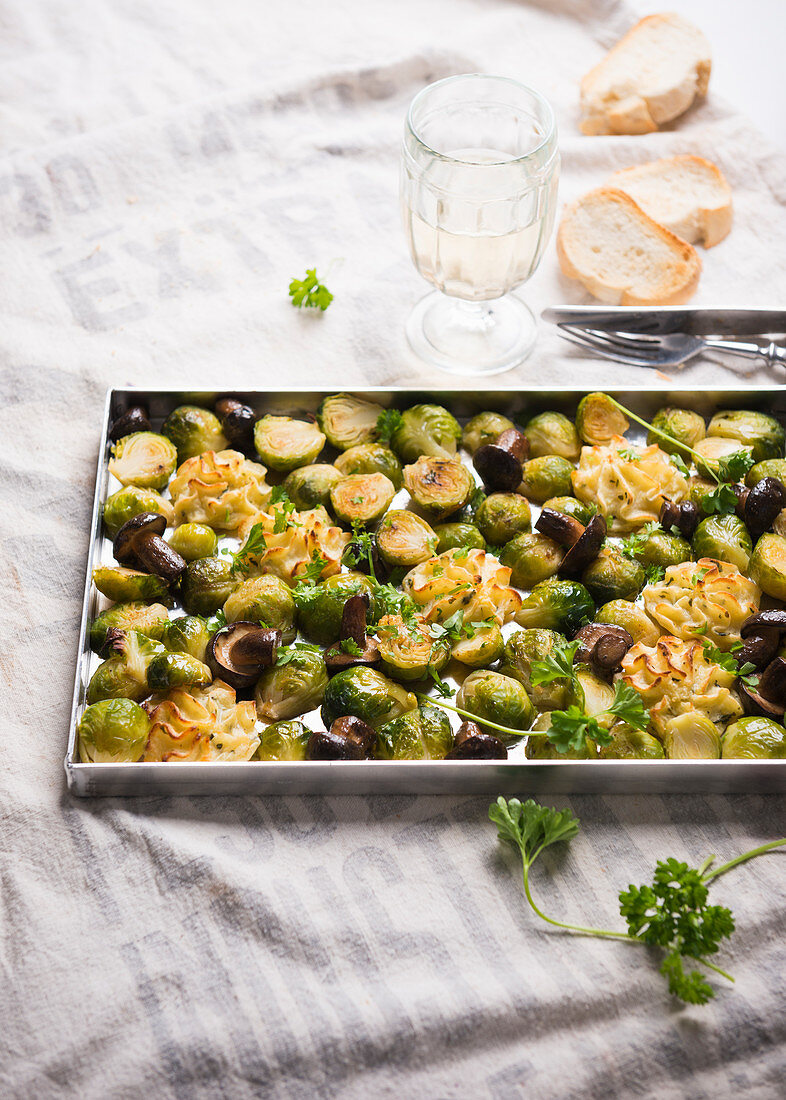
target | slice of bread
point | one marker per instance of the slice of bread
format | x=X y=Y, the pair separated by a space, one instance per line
x=621 y=255
x=687 y=194
x=651 y=76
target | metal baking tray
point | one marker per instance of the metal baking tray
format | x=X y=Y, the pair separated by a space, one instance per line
x=513 y=776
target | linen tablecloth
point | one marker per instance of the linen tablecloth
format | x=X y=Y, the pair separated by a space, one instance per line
x=167 y=168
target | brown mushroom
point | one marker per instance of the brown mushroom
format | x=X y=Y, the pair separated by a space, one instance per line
x=499 y=463
x=684 y=516
x=359 y=649
x=132 y=420
x=238 y=653
x=602 y=647
x=349 y=738
x=237 y=421
x=566 y=530
x=769 y=696
x=139 y=544
x=761 y=504
x=761 y=634
x=471 y=743
x=585 y=550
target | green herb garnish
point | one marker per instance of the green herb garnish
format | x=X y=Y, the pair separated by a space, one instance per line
x=309 y=292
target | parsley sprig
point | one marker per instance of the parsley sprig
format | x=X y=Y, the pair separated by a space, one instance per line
x=309 y=292
x=254 y=546
x=729 y=662
x=387 y=423
x=672 y=914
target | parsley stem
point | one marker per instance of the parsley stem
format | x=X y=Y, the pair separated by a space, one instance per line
x=724 y=867
x=483 y=721
x=712 y=966
x=663 y=435
x=569 y=927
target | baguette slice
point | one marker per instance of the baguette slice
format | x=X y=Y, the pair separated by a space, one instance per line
x=621 y=255
x=687 y=194
x=651 y=76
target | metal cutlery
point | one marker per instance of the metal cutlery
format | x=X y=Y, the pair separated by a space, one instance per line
x=657 y=320
x=668 y=350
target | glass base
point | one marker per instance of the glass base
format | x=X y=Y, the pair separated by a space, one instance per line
x=471 y=337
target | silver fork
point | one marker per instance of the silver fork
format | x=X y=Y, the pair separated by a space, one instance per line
x=670 y=350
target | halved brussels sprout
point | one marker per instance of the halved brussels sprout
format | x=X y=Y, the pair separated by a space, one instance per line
x=570 y=506
x=711 y=449
x=630 y=744
x=320 y=607
x=408 y=650
x=206 y=585
x=592 y=695
x=598 y=420
x=149 y=619
x=194 y=541
x=113 y=731
x=404 y=539
x=309 y=486
x=724 y=538
x=194 y=430
x=551 y=433
x=419 y=734
x=771 y=467
x=284 y=443
x=532 y=558
x=371 y=458
x=362 y=498
x=548 y=476
x=124 y=585
x=768 y=565
x=612 y=576
x=484 y=428
x=294 y=687
x=125 y=675
x=526 y=646
x=366 y=694
x=493 y=697
x=348 y=421
x=266 y=600
x=440 y=486
x=557 y=604
x=426 y=430
x=145 y=459
x=481 y=648
x=171 y=670
x=664 y=549
x=283 y=741
x=130 y=501
x=630 y=617
x=188 y=634
x=691 y=736
x=454 y=536
x=502 y=516
x=763 y=434
x=683 y=425
x=754 y=739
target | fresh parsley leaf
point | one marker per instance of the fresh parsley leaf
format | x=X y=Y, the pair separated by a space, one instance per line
x=288 y=652
x=679 y=462
x=722 y=501
x=735 y=466
x=443 y=689
x=216 y=622
x=628 y=454
x=654 y=573
x=254 y=546
x=570 y=729
x=635 y=543
x=728 y=661
x=350 y=646
x=283 y=517
x=309 y=292
x=629 y=706
x=557 y=666
x=532 y=827
x=310 y=576
x=388 y=421
x=699 y=575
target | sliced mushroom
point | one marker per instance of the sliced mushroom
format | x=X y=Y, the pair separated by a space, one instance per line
x=684 y=516
x=353 y=629
x=499 y=463
x=238 y=653
x=585 y=550
x=764 y=620
x=139 y=544
x=769 y=697
x=566 y=530
x=238 y=422
x=602 y=647
x=471 y=743
x=759 y=649
x=762 y=505
x=132 y=420
x=349 y=738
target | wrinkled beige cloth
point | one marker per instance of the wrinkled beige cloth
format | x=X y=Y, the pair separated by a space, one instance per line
x=167 y=167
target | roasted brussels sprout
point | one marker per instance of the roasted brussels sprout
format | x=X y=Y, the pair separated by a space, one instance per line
x=194 y=430
x=348 y=421
x=682 y=425
x=493 y=697
x=284 y=444
x=570 y=506
x=125 y=585
x=598 y=420
x=526 y=646
x=113 y=731
x=754 y=738
x=698 y=487
x=188 y=634
x=283 y=741
x=408 y=650
x=710 y=450
x=630 y=617
x=661 y=548
x=422 y=734
x=724 y=538
x=404 y=539
x=484 y=428
x=130 y=501
x=124 y=676
x=145 y=459
x=361 y=498
x=631 y=744
x=266 y=600
x=206 y=585
x=294 y=685
x=366 y=694
x=763 y=434
x=556 y=604
x=691 y=736
x=481 y=647
x=149 y=619
x=767 y=566
x=551 y=433
x=548 y=476
x=321 y=607
x=771 y=467
x=426 y=430
x=502 y=516
x=193 y=541
x=440 y=486
x=371 y=458
x=171 y=670
x=612 y=576
x=454 y=536
x=532 y=558
x=592 y=694
x=309 y=486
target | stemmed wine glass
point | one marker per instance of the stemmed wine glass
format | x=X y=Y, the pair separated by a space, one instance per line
x=479 y=175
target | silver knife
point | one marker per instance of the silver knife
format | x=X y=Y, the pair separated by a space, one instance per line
x=715 y=321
